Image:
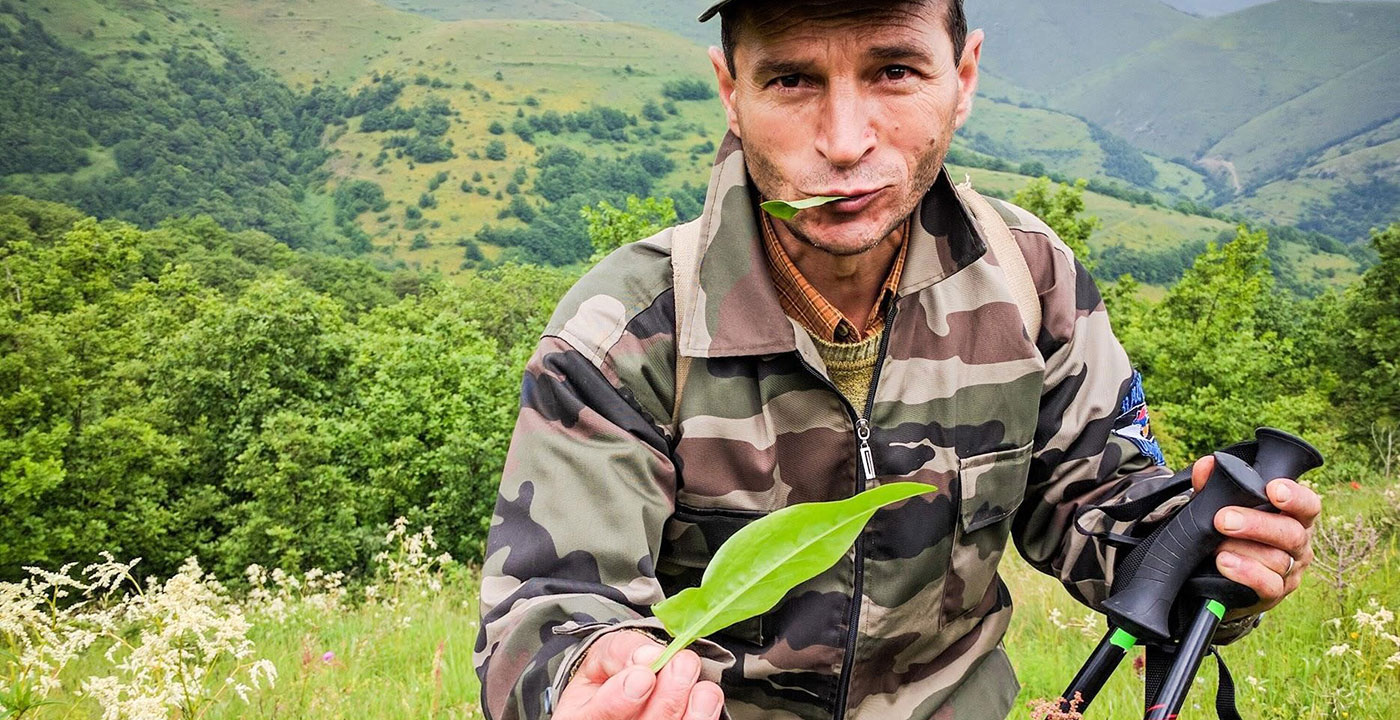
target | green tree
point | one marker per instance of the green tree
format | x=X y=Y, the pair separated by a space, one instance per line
x=609 y=228
x=1061 y=207
x=1368 y=344
x=1218 y=360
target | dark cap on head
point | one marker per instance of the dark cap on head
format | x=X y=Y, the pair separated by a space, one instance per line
x=714 y=10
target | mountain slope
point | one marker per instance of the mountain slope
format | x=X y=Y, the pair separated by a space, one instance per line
x=1044 y=44
x=674 y=16
x=1288 y=135
x=460 y=162
x=1181 y=95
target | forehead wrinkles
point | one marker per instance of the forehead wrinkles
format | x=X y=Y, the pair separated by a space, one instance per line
x=827 y=21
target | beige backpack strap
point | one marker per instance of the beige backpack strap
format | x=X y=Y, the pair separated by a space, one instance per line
x=1008 y=254
x=685 y=254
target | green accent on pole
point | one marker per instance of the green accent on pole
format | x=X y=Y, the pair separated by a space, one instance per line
x=1216 y=609
x=1123 y=639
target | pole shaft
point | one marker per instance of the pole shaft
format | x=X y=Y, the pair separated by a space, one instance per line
x=1096 y=670
x=1193 y=648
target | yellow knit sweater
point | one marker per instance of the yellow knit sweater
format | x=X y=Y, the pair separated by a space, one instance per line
x=851 y=365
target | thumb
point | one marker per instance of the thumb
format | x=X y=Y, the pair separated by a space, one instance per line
x=614 y=651
x=1200 y=472
x=620 y=698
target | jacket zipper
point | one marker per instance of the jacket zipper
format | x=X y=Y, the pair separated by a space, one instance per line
x=865 y=472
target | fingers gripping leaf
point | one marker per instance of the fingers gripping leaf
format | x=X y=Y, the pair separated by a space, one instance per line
x=756 y=567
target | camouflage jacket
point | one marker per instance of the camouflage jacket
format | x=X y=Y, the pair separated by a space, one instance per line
x=608 y=504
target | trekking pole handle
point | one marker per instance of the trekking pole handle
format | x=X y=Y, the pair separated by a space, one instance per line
x=1143 y=608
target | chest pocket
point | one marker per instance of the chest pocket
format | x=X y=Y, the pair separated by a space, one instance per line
x=690 y=539
x=991 y=487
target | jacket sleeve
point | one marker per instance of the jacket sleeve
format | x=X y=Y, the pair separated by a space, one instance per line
x=1093 y=442
x=587 y=486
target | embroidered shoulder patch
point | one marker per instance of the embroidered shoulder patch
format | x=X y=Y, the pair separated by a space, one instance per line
x=1133 y=423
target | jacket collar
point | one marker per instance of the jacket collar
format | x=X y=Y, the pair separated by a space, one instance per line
x=734 y=308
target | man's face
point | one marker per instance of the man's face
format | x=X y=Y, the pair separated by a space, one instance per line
x=847 y=98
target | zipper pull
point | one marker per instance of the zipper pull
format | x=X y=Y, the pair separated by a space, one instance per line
x=867 y=458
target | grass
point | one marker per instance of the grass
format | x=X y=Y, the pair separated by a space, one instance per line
x=1059 y=141
x=1324 y=654
x=313 y=41
x=411 y=662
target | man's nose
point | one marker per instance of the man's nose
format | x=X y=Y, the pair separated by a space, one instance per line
x=846 y=134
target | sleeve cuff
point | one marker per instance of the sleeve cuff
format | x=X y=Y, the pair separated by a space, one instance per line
x=1233 y=630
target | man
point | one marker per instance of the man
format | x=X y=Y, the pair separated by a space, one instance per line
x=867 y=341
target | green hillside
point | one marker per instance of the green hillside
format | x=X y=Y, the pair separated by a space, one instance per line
x=1291 y=134
x=1243 y=95
x=313 y=41
x=1213 y=77
x=1024 y=134
x=1345 y=194
x=479 y=139
x=1043 y=44
x=1015 y=129
x=675 y=17
x=1154 y=243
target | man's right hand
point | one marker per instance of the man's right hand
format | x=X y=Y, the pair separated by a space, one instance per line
x=615 y=682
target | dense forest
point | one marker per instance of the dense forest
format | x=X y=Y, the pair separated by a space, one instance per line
x=193 y=389
x=224 y=140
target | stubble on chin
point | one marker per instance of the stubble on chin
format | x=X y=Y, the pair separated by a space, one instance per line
x=765 y=175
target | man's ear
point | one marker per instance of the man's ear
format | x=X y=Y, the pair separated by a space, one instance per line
x=726 y=88
x=967 y=76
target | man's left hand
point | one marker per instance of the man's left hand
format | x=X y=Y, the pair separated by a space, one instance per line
x=1268 y=552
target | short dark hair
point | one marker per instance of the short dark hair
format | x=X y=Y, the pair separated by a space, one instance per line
x=955 y=20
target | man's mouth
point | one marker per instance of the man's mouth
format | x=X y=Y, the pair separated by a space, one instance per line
x=855 y=200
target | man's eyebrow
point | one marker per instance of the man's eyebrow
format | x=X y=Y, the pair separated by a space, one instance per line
x=899 y=52
x=775 y=67
x=778 y=67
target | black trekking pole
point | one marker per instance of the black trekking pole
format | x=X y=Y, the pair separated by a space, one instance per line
x=1159 y=567
x=1280 y=456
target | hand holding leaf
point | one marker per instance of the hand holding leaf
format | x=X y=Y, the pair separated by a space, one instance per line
x=758 y=565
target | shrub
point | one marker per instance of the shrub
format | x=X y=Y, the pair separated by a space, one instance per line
x=688 y=89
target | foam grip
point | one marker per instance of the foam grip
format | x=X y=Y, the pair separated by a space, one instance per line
x=1144 y=606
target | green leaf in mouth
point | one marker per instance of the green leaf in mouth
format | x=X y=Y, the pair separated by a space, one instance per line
x=787 y=209
x=758 y=565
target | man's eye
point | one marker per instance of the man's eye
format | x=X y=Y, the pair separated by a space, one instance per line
x=789 y=81
x=896 y=72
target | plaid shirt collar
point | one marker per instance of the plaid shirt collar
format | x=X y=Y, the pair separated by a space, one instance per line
x=802 y=302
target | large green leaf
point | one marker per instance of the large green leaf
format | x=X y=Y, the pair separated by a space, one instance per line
x=787 y=209
x=758 y=565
